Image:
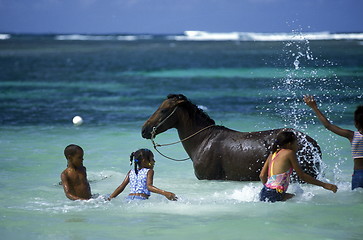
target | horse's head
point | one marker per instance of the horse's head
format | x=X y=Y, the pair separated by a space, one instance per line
x=165 y=117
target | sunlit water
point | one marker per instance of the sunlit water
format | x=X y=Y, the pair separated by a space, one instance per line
x=115 y=87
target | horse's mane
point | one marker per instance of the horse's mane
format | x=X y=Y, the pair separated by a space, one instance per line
x=194 y=111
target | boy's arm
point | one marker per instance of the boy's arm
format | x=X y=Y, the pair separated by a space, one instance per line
x=152 y=188
x=310 y=101
x=121 y=187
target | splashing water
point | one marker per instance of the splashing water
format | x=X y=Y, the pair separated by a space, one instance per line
x=306 y=74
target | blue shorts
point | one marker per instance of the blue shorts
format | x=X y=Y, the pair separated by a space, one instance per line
x=270 y=195
x=357 y=179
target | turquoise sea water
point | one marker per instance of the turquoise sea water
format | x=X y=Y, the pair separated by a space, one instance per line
x=116 y=85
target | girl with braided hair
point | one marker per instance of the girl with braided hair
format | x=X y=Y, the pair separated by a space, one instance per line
x=141 y=178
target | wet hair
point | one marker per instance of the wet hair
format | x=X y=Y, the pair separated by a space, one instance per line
x=282 y=139
x=358 y=117
x=71 y=150
x=138 y=156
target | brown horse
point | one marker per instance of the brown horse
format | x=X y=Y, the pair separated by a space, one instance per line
x=220 y=153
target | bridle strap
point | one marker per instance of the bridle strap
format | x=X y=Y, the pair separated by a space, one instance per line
x=153 y=133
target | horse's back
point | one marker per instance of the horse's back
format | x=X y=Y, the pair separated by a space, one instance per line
x=240 y=156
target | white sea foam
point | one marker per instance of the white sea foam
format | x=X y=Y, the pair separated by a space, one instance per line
x=252 y=36
x=4 y=36
x=81 y=37
x=206 y=36
x=134 y=37
x=204 y=108
x=212 y=36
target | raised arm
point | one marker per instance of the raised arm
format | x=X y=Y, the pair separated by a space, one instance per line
x=152 y=188
x=310 y=101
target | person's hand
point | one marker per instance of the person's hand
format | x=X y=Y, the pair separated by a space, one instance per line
x=331 y=187
x=310 y=101
x=171 y=196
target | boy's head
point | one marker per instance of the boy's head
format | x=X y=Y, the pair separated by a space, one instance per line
x=74 y=154
x=358 y=118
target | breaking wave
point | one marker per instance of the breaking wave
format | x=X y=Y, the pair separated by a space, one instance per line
x=196 y=36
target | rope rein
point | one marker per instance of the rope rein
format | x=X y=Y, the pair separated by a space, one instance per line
x=156 y=145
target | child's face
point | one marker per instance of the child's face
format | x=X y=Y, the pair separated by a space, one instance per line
x=149 y=163
x=152 y=162
x=77 y=159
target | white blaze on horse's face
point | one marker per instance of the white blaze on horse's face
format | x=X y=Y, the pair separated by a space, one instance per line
x=164 y=118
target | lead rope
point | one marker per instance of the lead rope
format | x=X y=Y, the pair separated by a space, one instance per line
x=168 y=144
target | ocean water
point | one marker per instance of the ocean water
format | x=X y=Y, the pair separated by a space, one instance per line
x=115 y=84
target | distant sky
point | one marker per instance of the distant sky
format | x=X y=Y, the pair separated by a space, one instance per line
x=176 y=16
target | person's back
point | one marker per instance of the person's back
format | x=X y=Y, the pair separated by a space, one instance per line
x=279 y=170
x=138 y=181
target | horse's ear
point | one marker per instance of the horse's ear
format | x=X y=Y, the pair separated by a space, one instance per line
x=179 y=98
x=180 y=101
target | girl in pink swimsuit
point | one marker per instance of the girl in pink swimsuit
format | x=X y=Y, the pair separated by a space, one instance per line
x=275 y=174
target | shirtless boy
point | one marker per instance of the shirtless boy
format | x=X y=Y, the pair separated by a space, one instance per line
x=74 y=177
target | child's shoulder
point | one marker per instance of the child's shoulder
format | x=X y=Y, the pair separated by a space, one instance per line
x=70 y=171
x=287 y=152
x=66 y=171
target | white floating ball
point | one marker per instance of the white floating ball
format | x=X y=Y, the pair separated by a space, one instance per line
x=77 y=120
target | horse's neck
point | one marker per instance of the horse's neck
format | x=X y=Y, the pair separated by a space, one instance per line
x=192 y=135
x=187 y=126
x=194 y=131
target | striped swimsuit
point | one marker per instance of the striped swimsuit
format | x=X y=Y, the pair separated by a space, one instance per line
x=357 y=145
x=357 y=152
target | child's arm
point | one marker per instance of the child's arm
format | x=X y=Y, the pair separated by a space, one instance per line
x=306 y=177
x=152 y=188
x=121 y=187
x=310 y=101
x=264 y=171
